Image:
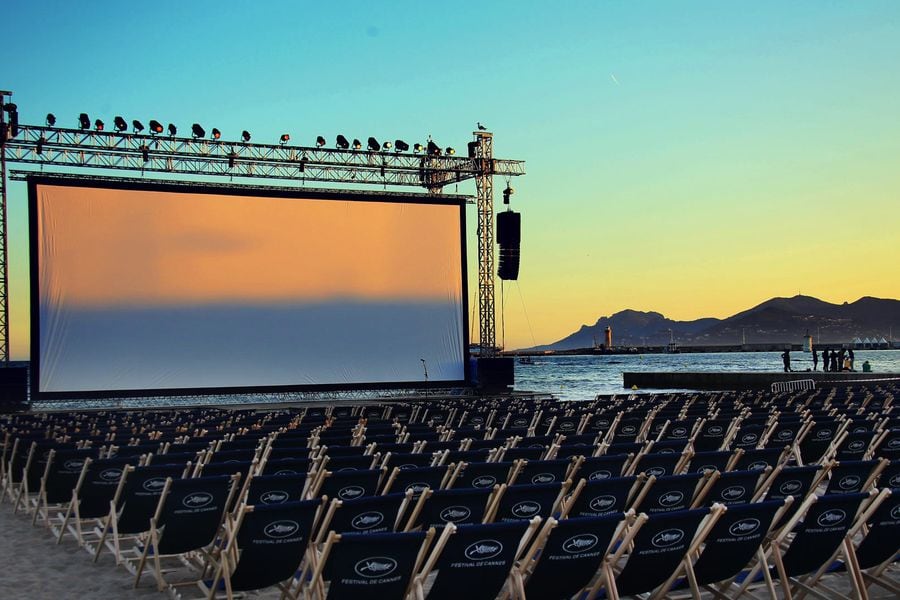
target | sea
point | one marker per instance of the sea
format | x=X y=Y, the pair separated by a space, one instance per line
x=584 y=377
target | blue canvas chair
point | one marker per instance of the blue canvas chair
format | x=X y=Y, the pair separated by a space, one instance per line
x=658 y=464
x=131 y=515
x=188 y=518
x=367 y=567
x=890 y=476
x=602 y=497
x=712 y=435
x=604 y=467
x=566 y=555
x=419 y=479
x=733 y=487
x=758 y=459
x=63 y=470
x=853 y=476
x=817 y=533
x=671 y=493
x=409 y=460
x=265 y=548
x=546 y=471
x=275 y=489
x=656 y=546
x=485 y=475
x=101 y=483
x=347 y=485
x=462 y=506
x=797 y=482
x=368 y=515
x=524 y=502
x=711 y=460
x=474 y=561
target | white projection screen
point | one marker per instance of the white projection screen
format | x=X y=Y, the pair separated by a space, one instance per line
x=159 y=289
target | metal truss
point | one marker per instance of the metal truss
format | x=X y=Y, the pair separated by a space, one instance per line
x=68 y=152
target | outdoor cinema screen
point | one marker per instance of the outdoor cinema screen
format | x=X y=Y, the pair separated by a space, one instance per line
x=168 y=289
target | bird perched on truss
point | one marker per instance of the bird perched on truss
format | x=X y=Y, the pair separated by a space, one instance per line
x=481 y=127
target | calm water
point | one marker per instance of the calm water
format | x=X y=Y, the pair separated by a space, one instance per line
x=583 y=377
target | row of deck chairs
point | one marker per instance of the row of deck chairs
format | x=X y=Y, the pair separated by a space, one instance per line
x=219 y=479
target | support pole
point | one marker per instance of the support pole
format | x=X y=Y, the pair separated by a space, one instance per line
x=484 y=185
x=4 y=251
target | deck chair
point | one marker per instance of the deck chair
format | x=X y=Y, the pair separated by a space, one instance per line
x=671 y=493
x=711 y=460
x=102 y=482
x=853 y=476
x=418 y=480
x=880 y=546
x=187 y=518
x=347 y=485
x=406 y=460
x=371 y=514
x=275 y=489
x=797 y=482
x=712 y=435
x=546 y=471
x=486 y=475
x=758 y=459
x=890 y=476
x=518 y=502
x=131 y=515
x=368 y=567
x=463 y=506
x=816 y=540
x=733 y=487
x=265 y=548
x=732 y=543
x=657 y=464
x=285 y=466
x=566 y=555
x=604 y=467
x=658 y=546
x=475 y=561
x=602 y=497
x=62 y=473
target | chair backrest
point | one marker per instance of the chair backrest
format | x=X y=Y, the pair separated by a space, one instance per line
x=710 y=460
x=603 y=467
x=417 y=480
x=733 y=487
x=602 y=497
x=520 y=502
x=349 y=485
x=543 y=471
x=711 y=435
x=484 y=475
x=659 y=547
x=734 y=539
x=285 y=466
x=657 y=464
x=882 y=541
x=371 y=514
x=571 y=555
x=140 y=497
x=477 y=560
x=100 y=485
x=275 y=489
x=371 y=566
x=670 y=494
x=463 y=506
x=796 y=482
x=757 y=459
x=65 y=470
x=407 y=460
x=849 y=477
x=191 y=511
x=272 y=541
x=822 y=531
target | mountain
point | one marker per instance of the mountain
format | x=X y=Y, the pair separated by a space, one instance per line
x=778 y=320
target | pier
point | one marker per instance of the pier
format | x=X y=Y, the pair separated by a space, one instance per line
x=747 y=380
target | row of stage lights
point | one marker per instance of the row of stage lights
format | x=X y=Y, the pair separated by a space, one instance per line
x=198 y=132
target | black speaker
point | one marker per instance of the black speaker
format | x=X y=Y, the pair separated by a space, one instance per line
x=13 y=389
x=509 y=237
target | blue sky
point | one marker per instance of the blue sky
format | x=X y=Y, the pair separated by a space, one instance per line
x=693 y=158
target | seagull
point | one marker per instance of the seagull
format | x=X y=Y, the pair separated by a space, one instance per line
x=481 y=127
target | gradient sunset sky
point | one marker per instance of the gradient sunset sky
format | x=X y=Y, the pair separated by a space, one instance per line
x=693 y=158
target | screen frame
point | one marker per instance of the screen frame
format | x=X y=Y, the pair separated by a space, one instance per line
x=34 y=181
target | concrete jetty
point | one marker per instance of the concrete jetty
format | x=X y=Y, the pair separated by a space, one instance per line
x=748 y=380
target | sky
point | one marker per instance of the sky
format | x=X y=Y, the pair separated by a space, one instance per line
x=692 y=158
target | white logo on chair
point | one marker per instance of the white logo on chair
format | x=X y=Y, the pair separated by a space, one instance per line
x=286 y=472
x=484 y=481
x=281 y=529
x=483 y=550
x=679 y=432
x=667 y=538
x=715 y=430
x=895 y=513
x=656 y=471
x=73 y=464
x=785 y=434
x=790 y=487
x=749 y=438
x=602 y=503
x=629 y=429
x=735 y=492
x=154 y=485
x=350 y=492
x=707 y=468
x=849 y=482
x=579 y=543
x=758 y=465
x=417 y=487
x=856 y=445
x=895 y=481
x=666 y=451
x=367 y=520
x=543 y=478
x=823 y=434
x=831 y=518
x=274 y=497
x=601 y=474
x=375 y=566
x=893 y=443
x=407 y=466
x=744 y=527
x=477 y=420
x=567 y=425
x=525 y=508
x=197 y=499
x=670 y=498
x=520 y=422
x=455 y=514
x=111 y=474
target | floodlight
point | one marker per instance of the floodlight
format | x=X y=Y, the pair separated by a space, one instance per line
x=172 y=129
x=155 y=127
x=285 y=138
x=418 y=147
x=51 y=119
x=120 y=124
x=386 y=145
x=320 y=141
x=216 y=134
x=98 y=125
x=197 y=131
x=245 y=135
x=401 y=146
x=374 y=146
x=450 y=151
x=342 y=142
x=137 y=126
x=84 y=121
x=13 y=112
x=357 y=144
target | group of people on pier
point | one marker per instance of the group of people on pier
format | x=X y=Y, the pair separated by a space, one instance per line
x=834 y=360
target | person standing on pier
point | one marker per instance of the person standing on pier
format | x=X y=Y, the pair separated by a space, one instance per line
x=850 y=357
x=825 y=359
x=835 y=365
x=815 y=359
x=786 y=358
